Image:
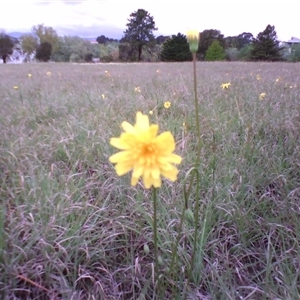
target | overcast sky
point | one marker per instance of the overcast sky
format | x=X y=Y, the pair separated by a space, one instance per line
x=91 y=18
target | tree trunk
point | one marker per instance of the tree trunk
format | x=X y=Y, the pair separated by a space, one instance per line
x=4 y=58
x=140 y=51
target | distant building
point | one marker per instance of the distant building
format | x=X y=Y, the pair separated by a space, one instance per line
x=293 y=41
x=93 y=42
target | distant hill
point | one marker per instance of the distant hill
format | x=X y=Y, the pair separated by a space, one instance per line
x=17 y=34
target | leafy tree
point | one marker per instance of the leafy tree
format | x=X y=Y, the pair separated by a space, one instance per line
x=102 y=39
x=43 y=51
x=161 y=39
x=6 y=46
x=176 y=48
x=266 y=46
x=244 y=39
x=46 y=34
x=206 y=39
x=29 y=43
x=139 y=30
x=215 y=52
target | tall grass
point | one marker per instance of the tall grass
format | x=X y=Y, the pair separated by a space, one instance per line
x=71 y=229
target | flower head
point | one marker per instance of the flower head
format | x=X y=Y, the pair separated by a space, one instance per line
x=48 y=73
x=149 y=155
x=262 y=96
x=16 y=87
x=29 y=75
x=167 y=104
x=258 y=77
x=150 y=112
x=225 y=85
x=137 y=89
x=193 y=37
x=103 y=96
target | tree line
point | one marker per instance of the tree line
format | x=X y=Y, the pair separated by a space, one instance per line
x=139 y=44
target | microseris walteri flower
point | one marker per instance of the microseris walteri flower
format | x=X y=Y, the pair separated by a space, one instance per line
x=167 y=104
x=148 y=154
x=225 y=85
x=193 y=37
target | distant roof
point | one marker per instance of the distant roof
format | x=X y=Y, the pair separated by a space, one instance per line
x=293 y=40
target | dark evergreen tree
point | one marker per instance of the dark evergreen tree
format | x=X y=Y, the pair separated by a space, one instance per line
x=43 y=51
x=215 y=52
x=139 y=32
x=6 y=46
x=176 y=48
x=206 y=39
x=266 y=46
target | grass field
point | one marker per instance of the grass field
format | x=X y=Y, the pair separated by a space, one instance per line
x=70 y=228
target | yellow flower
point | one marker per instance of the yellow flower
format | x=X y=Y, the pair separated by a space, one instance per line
x=48 y=73
x=193 y=37
x=16 y=87
x=258 y=77
x=149 y=155
x=262 y=96
x=225 y=85
x=167 y=104
x=103 y=96
x=151 y=112
x=137 y=89
x=29 y=75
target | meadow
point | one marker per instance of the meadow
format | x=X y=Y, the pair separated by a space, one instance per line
x=70 y=228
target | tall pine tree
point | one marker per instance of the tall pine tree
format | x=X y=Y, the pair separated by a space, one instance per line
x=139 y=30
x=266 y=46
x=176 y=48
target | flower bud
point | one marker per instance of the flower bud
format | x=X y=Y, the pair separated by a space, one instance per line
x=193 y=37
x=189 y=216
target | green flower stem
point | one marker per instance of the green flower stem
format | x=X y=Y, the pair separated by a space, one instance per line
x=197 y=125
x=156 y=275
x=196 y=217
x=197 y=110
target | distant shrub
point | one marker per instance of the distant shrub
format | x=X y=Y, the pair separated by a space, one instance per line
x=245 y=53
x=231 y=54
x=75 y=57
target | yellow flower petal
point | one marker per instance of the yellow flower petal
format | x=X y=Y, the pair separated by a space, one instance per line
x=148 y=155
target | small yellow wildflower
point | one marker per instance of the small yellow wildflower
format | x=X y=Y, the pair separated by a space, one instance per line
x=16 y=87
x=225 y=85
x=262 y=96
x=149 y=155
x=107 y=73
x=29 y=75
x=193 y=37
x=167 y=104
x=103 y=96
x=151 y=112
x=48 y=73
x=258 y=77
x=137 y=89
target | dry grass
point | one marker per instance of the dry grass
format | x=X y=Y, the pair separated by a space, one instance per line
x=71 y=229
